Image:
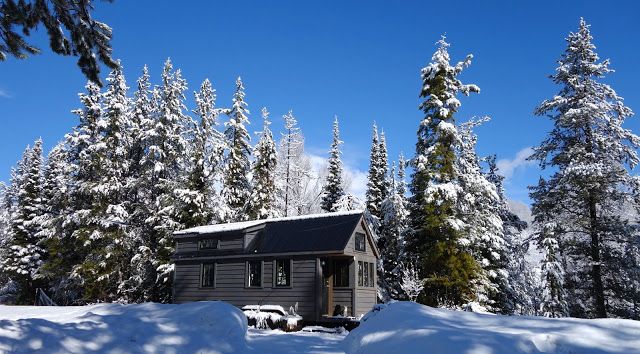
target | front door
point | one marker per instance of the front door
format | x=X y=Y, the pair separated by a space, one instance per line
x=327 y=286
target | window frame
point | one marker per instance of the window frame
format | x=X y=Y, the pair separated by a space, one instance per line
x=247 y=277
x=372 y=275
x=201 y=241
x=214 y=268
x=347 y=266
x=360 y=273
x=275 y=273
x=363 y=243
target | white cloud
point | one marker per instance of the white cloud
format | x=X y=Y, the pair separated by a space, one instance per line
x=4 y=94
x=507 y=167
x=356 y=179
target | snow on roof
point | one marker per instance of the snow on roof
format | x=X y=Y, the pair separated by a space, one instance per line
x=236 y=226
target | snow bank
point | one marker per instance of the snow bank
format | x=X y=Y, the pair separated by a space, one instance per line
x=406 y=327
x=202 y=327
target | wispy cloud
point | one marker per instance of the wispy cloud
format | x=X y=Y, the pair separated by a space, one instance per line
x=4 y=94
x=356 y=179
x=507 y=167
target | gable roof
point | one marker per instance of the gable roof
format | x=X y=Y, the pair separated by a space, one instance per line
x=318 y=232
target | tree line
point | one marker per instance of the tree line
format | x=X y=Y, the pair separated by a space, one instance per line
x=93 y=221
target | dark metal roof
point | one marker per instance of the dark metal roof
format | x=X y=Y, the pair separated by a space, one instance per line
x=315 y=234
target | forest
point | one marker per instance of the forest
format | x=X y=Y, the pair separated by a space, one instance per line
x=92 y=220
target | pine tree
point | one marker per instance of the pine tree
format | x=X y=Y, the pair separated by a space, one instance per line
x=236 y=184
x=61 y=249
x=374 y=194
x=261 y=204
x=436 y=236
x=196 y=199
x=24 y=254
x=522 y=283
x=553 y=303
x=590 y=154
x=333 y=189
x=393 y=229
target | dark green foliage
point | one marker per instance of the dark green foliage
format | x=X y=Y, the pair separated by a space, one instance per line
x=85 y=37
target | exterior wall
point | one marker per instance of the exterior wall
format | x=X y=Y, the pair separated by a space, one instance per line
x=226 y=243
x=230 y=285
x=365 y=297
x=344 y=297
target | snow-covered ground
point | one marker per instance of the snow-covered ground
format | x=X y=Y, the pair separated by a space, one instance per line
x=405 y=327
x=216 y=327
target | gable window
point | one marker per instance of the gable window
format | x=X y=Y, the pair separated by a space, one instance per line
x=361 y=243
x=254 y=274
x=209 y=244
x=341 y=273
x=283 y=272
x=208 y=273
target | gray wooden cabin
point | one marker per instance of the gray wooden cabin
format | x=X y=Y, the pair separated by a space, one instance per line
x=317 y=261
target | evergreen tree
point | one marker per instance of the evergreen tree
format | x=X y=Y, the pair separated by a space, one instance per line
x=61 y=249
x=374 y=194
x=436 y=237
x=24 y=253
x=393 y=228
x=333 y=189
x=553 y=302
x=261 y=204
x=591 y=155
x=197 y=198
x=236 y=184
x=522 y=283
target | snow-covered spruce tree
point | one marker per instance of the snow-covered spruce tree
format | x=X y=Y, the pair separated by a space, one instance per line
x=435 y=240
x=374 y=194
x=522 y=279
x=24 y=254
x=163 y=166
x=61 y=249
x=4 y=234
x=483 y=233
x=195 y=200
x=140 y=285
x=591 y=155
x=333 y=189
x=348 y=202
x=553 y=302
x=261 y=204
x=107 y=263
x=394 y=224
x=236 y=186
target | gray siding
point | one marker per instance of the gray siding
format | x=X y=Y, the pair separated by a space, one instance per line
x=226 y=243
x=230 y=285
x=365 y=299
x=344 y=297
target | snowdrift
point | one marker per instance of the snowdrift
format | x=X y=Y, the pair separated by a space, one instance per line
x=405 y=327
x=200 y=327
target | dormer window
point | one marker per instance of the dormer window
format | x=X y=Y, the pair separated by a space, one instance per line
x=361 y=243
x=209 y=244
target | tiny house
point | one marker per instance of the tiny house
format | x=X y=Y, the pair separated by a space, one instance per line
x=315 y=261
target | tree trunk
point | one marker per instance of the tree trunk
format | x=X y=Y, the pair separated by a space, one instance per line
x=596 y=268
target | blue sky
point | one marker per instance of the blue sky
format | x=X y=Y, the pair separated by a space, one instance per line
x=359 y=60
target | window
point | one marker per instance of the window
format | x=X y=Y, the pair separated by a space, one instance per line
x=207 y=279
x=366 y=274
x=283 y=272
x=361 y=243
x=208 y=244
x=254 y=278
x=341 y=273
x=372 y=273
